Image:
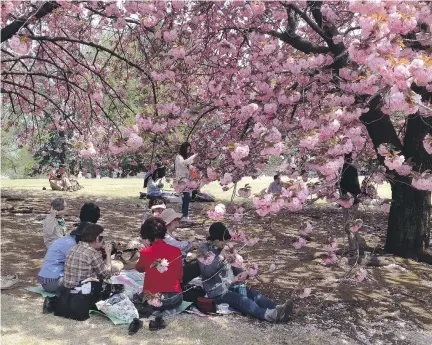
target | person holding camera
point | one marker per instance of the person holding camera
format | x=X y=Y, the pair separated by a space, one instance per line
x=85 y=259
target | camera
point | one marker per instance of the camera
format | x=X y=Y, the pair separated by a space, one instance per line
x=116 y=247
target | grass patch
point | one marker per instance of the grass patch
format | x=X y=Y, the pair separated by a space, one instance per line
x=126 y=188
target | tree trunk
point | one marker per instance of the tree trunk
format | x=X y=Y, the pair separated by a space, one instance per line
x=409 y=222
x=62 y=155
x=408 y=231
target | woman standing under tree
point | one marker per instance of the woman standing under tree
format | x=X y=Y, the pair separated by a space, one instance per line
x=182 y=163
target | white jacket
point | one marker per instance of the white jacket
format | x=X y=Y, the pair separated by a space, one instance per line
x=182 y=166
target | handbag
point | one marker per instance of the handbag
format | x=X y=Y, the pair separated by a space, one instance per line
x=206 y=305
x=192 y=293
x=76 y=305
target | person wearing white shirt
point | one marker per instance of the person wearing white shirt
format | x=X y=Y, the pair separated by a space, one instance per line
x=182 y=163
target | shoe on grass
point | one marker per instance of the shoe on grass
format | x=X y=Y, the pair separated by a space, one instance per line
x=284 y=311
x=135 y=326
x=6 y=282
x=157 y=324
x=187 y=220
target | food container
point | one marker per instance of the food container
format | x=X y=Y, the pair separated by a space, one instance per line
x=223 y=308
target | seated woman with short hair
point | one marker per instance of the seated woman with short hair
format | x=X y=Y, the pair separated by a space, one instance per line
x=222 y=281
x=162 y=264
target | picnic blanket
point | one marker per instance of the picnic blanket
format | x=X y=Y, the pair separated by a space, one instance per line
x=40 y=291
x=181 y=308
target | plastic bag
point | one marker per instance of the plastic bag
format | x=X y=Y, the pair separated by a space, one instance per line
x=132 y=280
x=118 y=306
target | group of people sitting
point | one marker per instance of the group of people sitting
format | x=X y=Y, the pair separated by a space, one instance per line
x=73 y=259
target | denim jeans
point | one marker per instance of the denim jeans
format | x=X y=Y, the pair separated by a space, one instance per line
x=170 y=302
x=185 y=203
x=54 y=286
x=253 y=304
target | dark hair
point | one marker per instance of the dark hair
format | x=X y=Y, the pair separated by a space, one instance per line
x=91 y=232
x=90 y=213
x=218 y=231
x=153 y=229
x=183 y=149
x=153 y=176
x=275 y=177
x=157 y=200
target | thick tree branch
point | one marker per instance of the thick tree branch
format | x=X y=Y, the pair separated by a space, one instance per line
x=299 y=43
x=90 y=44
x=9 y=30
x=197 y=120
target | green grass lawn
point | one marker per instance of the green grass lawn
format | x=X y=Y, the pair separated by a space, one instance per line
x=130 y=187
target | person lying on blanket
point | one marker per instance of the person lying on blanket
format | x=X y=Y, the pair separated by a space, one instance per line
x=219 y=278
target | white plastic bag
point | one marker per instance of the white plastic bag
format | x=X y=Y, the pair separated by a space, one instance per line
x=118 y=306
x=132 y=280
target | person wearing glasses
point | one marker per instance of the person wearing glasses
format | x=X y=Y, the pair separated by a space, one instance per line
x=85 y=259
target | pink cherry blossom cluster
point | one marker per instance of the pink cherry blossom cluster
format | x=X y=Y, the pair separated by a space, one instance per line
x=332 y=245
x=217 y=213
x=423 y=181
x=356 y=226
x=240 y=152
x=427 y=143
x=89 y=151
x=134 y=142
x=206 y=258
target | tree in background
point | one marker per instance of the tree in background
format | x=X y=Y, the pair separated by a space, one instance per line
x=16 y=162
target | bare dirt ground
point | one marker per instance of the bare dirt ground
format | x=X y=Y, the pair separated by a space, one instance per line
x=392 y=306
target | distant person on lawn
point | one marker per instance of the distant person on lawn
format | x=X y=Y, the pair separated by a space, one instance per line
x=183 y=162
x=52 y=271
x=276 y=186
x=54 y=225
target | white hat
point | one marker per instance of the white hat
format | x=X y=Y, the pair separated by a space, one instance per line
x=158 y=206
x=169 y=215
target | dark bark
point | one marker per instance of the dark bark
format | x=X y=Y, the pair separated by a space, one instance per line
x=409 y=224
x=408 y=232
x=379 y=126
x=409 y=221
x=9 y=30
x=62 y=155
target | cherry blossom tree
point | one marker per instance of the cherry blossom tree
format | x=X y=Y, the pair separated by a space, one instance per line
x=244 y=82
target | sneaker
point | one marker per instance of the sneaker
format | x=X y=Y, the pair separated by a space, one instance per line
x=187 y=220
x=157 y=324
x=135 y=326
x=284 y=311
x=271 y=315
x=6 y=282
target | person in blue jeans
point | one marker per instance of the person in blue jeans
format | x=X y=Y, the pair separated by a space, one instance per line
x=183 y=161
x=51 y=273
x=224 y=283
